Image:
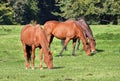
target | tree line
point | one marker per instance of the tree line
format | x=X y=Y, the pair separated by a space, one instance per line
x=94 y=11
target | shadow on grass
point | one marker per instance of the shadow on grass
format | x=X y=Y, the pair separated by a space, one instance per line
x=94 y=53
x=97 y=51
x=59 y=67
x=66 y=55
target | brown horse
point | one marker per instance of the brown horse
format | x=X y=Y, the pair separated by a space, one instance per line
x=88 y=33
x=67 y=31
x=33 y=36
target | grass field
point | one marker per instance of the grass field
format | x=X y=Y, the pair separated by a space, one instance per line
x=103 y=66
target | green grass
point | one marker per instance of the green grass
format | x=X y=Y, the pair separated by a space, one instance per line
x=103 y=66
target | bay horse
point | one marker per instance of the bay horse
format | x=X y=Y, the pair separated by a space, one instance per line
x=33 y=36
x=67 y=31
x=88 y=33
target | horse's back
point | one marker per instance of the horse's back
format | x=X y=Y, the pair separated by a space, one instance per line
x=27 y=33
x=50 y=24
x=30 y=34
x=65 y=29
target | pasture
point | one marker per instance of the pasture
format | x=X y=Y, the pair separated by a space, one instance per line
x=103 y=66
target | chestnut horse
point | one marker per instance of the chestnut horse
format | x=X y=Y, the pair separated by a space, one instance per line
x=67 y=31
x=33 y=36
x=88 y=33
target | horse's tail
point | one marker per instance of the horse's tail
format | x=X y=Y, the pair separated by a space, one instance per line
x=28 y=50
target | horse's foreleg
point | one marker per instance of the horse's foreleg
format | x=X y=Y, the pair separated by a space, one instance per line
x=41 y=57
x=74 y=44
x=65 y=44
x=50 y=39
x=78 y=44
x=33 y=56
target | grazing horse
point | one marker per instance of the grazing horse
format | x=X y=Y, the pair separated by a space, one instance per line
x=33 y=36
x=67 y=31
x=88 y=33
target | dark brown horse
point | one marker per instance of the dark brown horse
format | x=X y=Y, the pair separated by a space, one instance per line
x=88 y=33
x=67 y=31
x=33 y=36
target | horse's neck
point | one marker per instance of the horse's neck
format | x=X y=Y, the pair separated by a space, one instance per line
x=86 y=29
x=44 y=43
x=81 y=35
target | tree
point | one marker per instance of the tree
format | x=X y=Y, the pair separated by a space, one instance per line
x=48 y=11
x=111 y=11
x=68 y=8
x=25 y=10
x=6 y=13
x=95 y=11
x=31 y=10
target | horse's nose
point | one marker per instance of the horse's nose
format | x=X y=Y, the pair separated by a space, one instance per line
x=50 y=67
x=89 y=54
x=93 y=51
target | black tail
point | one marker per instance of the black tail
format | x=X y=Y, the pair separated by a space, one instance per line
x=28 y=49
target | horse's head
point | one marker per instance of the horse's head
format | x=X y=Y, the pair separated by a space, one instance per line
x=87 y=49
x=49 y=60
x=92 y=45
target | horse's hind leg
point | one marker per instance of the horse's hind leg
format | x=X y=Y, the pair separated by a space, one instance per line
x=33 y=56
x=27 y=62
x=65 y=44
x=78 y=44
x=74 y=44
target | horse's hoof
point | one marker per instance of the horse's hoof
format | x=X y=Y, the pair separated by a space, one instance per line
x=26 y=68
x=73 y=55
x=33 y=68
x=41 y=68
x=50 y=68
x=60 y=56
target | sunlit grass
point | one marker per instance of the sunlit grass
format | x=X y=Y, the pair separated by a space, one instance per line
x=103 y=66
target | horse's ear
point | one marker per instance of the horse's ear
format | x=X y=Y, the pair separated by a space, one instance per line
x=50 y=52
x=94 y=39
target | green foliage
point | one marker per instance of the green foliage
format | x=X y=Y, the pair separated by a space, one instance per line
x=32 y=10
x=69 y=9
x=6 y=14
x=95 y=11
x=98 y=10
x=19 y=11
x=25 y=10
